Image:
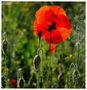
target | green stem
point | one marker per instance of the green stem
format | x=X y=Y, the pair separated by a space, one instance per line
x=50 y=56
x=50 y=39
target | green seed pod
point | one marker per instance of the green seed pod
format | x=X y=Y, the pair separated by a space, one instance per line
x=36 y=62
x=20 y=79
x=5 y=43
x=21 y=83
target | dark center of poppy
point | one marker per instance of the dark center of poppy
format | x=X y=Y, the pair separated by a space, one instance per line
x=52 y=27
x=40 y=33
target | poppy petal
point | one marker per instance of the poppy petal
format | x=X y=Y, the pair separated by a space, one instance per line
x=49 y=12
x=55 y=37
x=64 y=33
x=40 y=13
x=58 y=10
x=63 y=21
x=38 y=27
x=49 y=17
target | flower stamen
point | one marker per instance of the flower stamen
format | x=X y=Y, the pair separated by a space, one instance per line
x=52 y=27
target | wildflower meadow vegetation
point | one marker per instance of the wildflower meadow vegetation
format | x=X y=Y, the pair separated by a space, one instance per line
x=33 y=53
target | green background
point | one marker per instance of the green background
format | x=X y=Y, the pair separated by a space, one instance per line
x=64 y=69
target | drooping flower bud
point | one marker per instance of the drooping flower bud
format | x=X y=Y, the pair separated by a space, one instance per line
x=36 y=62
x=4 y=43
x=21 y=83
x=20 y=79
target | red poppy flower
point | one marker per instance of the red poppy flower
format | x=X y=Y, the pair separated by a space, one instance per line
x=13 y=83
x=52 y=19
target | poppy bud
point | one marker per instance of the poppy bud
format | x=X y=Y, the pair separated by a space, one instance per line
x=20 y=79
x=40 y=33
x=36 y=62
x=5 y=43
x=21 y=83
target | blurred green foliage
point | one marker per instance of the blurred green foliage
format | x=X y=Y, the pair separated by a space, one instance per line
x=64 y=69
